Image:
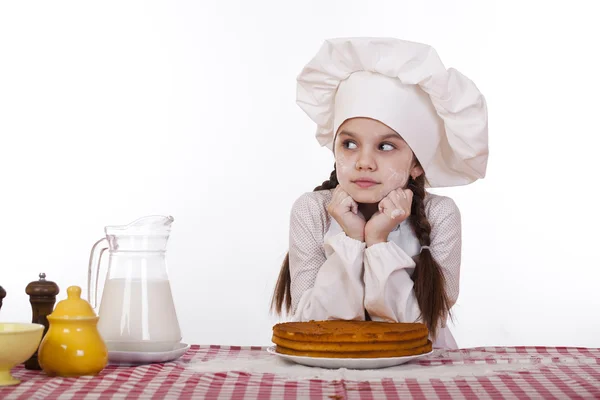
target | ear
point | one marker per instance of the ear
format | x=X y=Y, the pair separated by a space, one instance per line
x=416 y=171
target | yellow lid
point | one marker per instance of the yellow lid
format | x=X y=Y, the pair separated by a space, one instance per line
x=73 y=306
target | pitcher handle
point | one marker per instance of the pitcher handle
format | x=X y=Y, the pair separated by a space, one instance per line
x=90 y=274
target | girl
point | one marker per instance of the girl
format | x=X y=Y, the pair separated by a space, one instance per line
x=371 y=242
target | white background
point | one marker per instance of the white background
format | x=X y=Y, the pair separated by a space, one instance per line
x=114 y=110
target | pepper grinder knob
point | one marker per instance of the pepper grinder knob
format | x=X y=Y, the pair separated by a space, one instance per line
x=2 y=295
x=42 y=296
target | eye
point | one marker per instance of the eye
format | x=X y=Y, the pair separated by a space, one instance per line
x=348 y=143
x=387 y=146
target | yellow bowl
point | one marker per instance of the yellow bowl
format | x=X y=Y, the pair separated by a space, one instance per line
x=18 y=342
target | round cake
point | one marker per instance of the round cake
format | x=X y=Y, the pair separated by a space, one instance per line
x=351 y=339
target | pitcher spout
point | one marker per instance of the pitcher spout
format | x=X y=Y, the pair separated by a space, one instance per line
x=152 y=225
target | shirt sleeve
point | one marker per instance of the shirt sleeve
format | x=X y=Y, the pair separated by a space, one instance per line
x=326 y=277
x=389 y=293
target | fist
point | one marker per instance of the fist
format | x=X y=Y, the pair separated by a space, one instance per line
x=344 y=210
x=393 y=210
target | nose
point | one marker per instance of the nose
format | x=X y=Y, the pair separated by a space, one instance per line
x=366 y=161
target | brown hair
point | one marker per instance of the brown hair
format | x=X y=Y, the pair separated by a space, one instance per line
x=429 y=282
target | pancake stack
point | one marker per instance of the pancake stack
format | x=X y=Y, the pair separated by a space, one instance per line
x=351 y=339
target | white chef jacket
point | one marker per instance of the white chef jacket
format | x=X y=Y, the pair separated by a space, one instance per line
x=336 y=277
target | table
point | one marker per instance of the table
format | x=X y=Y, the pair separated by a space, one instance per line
x=485 y=372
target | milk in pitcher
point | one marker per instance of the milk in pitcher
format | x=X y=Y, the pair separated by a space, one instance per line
x=146 y=322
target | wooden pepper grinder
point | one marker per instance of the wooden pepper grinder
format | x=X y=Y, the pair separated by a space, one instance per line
x=42 y=296
x=2 y=295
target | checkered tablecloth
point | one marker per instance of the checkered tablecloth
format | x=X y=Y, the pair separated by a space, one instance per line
x=518 y=372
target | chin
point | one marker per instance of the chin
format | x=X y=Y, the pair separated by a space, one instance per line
x=364 y=196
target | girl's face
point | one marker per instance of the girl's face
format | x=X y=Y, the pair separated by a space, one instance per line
x=368 y=150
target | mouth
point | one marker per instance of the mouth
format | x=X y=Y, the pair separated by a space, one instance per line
x=365 y=183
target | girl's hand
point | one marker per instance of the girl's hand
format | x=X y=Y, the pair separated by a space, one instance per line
x=344 y=210
x=393 y=209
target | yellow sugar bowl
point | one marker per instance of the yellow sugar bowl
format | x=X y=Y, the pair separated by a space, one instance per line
x=72 y=346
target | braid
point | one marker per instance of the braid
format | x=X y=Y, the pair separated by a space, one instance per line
x=329 y=184
x=282 y=295
x=418 y=219
x=429 y=282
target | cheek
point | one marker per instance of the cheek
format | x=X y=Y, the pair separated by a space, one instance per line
x=343 y=167
x=396 y=177
x=396 y=174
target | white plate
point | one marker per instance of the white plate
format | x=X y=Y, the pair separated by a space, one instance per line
x=348 y=363
x=137 y=357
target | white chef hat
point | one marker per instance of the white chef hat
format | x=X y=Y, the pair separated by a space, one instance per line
x=439 y=112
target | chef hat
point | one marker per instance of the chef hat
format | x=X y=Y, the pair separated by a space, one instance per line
x=439 y=112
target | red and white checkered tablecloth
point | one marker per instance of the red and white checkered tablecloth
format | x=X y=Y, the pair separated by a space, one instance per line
x=542 y=373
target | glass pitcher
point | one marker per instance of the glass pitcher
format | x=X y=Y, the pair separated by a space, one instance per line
x=136 y=312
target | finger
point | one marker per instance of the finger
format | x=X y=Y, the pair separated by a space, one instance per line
x=338 y=195
x=404 y=196
x=407 y=202
x=386 y=206
x=335 y=199
x=336 y=192
x=346 y=201
x=333 y=196
x=397 y=199
x=380 y=205
x=399 y=206
x=342 y=194
x=409 y=195
x=354 y=207
x=349 y=204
